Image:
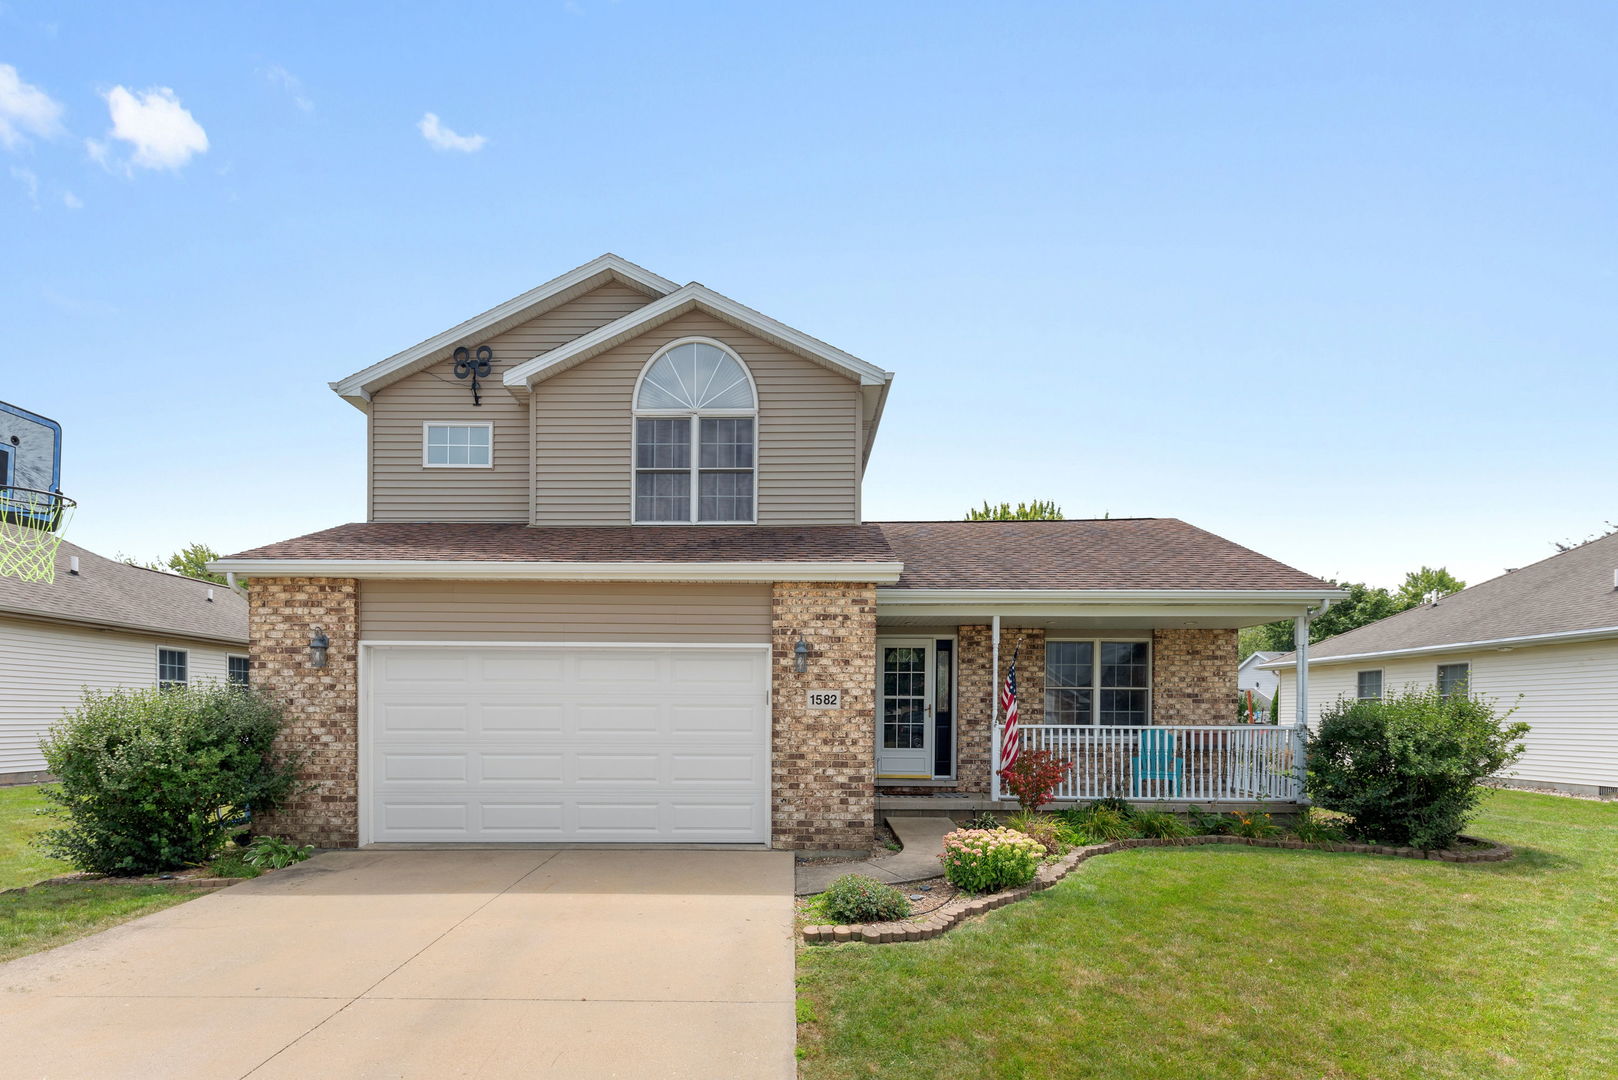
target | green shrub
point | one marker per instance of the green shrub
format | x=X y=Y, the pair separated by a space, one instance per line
x=1206 y=823
x=153 y=779
x=1101 y=821
x=274 y=853
x=1313 y=827
x=1068 y=836
x=1042 y=828
x=1406 y=768
x=1161 y=825
x=988 y=860
x=854 y=898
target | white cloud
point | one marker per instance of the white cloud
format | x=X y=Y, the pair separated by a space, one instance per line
x=163 y=132
x=293 y=85
x=29 y=181
x=442 y=138
x=25 y=108
x=72 y=201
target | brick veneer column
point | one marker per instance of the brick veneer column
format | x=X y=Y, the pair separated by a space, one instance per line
x=1194 y=676
x=322 y=703
x=974 y=686
x=823 y=784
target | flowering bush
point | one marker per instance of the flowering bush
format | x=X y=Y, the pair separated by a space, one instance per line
x=1034 y=776
x=854 y=898
x=987 y=860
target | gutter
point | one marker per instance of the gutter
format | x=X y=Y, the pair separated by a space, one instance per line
x=122 y=628
x=754 y=571
x=1562 y=637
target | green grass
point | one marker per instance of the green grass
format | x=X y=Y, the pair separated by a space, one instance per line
x=1186 y=963
x=51 y=915
x=20 y=862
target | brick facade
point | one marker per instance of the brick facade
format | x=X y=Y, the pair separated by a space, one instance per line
x=823 y=788
x=1194 y=676
x=322 y=703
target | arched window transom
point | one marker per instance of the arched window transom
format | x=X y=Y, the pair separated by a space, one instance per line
x=695 y=436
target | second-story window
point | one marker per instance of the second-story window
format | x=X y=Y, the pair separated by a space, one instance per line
x=457 y=446
x=695 y=436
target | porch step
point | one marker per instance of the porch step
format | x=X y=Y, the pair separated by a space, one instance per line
x=923 y=840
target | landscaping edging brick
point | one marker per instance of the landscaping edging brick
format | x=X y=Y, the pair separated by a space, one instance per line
x=961 y=908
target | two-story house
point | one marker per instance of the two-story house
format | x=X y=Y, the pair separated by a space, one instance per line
x=623 y=589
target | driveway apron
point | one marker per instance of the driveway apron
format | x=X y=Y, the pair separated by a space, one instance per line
x=485 y=963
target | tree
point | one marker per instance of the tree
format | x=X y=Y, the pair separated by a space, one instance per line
x=1363 y=604
x=1427 y=585
x=191 y=561
x=1034 y=511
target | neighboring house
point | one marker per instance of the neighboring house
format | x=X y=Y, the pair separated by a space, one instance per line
x=104 y=624
x=1261 y=680
x=1543 y=638
x=628 y=593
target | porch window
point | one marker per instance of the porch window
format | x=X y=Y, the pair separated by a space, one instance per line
x=1098 y=682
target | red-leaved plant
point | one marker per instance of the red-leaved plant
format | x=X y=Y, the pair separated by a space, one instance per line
x=1034 y=776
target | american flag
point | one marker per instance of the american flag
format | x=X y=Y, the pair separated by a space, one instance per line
x=1010 y=738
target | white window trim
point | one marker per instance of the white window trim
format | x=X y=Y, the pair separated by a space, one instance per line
x=485 y=424
x=1382 y=684
x=1438 y=682
x=239 y=656
x=637 y=413
x=186 y=653
x=1095 y=682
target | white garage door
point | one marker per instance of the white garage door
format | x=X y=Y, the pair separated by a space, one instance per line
x=576 y=743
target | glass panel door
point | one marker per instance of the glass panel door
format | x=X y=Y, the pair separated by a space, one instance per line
x=904 y=709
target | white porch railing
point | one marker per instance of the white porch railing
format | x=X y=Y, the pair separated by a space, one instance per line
x=1201 y=764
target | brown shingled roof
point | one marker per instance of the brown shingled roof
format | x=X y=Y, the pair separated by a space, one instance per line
x=1114 y=553
x=1105 y=553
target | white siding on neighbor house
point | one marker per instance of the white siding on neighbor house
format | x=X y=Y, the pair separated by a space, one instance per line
x=402 y=489
x=808 y=432
x=1569 y=695
x=45 y=667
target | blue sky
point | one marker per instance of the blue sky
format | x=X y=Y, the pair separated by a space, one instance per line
x=1337 y=281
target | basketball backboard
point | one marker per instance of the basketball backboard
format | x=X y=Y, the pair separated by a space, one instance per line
x=33 y=510
x=30 y=450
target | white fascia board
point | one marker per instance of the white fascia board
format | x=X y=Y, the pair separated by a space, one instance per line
x=1562 y=637
x=522 y=376
x=356 y=387
x=875 y=572
x=1059 y=597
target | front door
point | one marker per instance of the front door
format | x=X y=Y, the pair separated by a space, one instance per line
x=904 y=715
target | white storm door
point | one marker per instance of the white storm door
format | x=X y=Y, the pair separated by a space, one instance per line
x=904 y=715
x=531 y=742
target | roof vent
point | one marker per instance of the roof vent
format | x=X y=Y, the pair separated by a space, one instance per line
x=210 y=596
x=73 y=564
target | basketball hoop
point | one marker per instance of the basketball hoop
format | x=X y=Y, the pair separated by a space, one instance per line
x=31 y=525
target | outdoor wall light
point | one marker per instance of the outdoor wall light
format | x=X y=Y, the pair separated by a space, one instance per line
x=318 y=644
x=800 y=656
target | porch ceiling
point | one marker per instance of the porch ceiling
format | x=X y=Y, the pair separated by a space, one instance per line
x=1073 y=622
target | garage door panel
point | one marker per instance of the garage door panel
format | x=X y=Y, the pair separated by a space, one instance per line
x=563 y=743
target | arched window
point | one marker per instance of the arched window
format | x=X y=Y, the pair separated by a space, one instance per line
x=695 y=433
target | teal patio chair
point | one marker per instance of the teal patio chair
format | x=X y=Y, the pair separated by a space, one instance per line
x=1156 y=762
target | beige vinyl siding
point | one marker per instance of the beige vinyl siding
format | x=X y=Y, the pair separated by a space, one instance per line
x=401 y=489
x=808 y=424
x=563 y=611
x=1569 y=697
x=46 y=667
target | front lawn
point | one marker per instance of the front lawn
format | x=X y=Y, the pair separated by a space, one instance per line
x=51 y=915
x=1186 y=963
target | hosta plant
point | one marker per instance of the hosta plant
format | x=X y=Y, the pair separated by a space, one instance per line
x=988 y=860
x=273 y=853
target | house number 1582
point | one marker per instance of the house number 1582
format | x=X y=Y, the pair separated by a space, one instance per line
x=825 y=699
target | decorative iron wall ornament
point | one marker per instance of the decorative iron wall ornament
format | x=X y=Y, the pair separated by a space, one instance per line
x=472 y=367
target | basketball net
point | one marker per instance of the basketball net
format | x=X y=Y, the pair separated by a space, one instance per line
x=31 y=525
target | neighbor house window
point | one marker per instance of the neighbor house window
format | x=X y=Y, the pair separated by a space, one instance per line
x=457 y=446
x=1368 y=685
x=1452 y=679
x=238 y=669
x=1098 y=682
x=170 y=667
x=695 y=436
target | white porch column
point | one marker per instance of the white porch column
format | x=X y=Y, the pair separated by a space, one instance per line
x=1300 y=643
x=994 y=707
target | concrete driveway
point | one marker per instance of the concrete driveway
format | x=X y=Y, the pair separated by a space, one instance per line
x=463 y=963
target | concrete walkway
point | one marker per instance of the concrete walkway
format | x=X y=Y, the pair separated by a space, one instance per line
x=923 y=840
x=494 y=964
